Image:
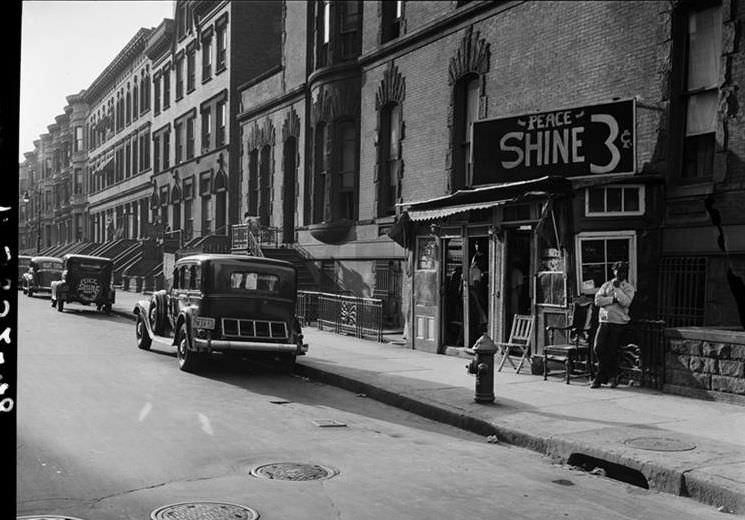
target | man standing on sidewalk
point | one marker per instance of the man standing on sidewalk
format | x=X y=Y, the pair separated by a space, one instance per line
x=614 y=299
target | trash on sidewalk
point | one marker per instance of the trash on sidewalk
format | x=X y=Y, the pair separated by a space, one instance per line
x=598 y=471
x=492 y=439
x=361 y=395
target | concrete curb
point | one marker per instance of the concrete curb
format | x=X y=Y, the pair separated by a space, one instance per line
x=695 y=483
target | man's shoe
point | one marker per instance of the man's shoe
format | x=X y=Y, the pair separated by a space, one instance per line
x=614 y=381
x=595 y=384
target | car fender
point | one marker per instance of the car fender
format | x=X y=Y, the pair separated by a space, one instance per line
x=185 y=317
x=142 y=308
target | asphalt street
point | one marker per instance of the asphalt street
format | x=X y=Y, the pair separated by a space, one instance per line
x=106 y=431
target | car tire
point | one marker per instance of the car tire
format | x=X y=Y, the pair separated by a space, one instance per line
x=107 y=308
x=143 y=337
x=60 y=305
x=188 y=360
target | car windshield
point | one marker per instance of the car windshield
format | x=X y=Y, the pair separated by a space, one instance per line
x=49 y=265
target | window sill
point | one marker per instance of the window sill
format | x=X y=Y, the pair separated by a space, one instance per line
x=190 y=90
x=207 y=79
x=220 y=69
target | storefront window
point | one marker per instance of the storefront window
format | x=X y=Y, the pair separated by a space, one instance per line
x=596 y=253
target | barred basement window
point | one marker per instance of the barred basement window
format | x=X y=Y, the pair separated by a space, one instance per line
x=682 y=291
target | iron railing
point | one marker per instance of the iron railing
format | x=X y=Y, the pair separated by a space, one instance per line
x=361 y=317
x=643 y=357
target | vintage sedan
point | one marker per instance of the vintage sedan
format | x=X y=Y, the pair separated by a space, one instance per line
x=232 y=304
x=86 y=280
x=42 y=272
x=23 y=264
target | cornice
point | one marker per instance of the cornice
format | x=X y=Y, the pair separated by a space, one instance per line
x=135 y=46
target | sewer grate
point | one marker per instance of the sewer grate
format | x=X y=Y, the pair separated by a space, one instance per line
x=294 y=471
x=204 y=511
x=659 y=444
x=47 y=517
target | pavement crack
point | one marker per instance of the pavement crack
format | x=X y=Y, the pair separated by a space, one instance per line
x=334 y=508
x=153 y=486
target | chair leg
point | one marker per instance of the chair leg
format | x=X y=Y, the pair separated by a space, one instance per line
x=545 y=367
x=522 y=360
x=569 y=367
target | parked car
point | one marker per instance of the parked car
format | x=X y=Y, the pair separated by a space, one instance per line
x=86 y=280
x=42 y=272
x=23 y=263
x=233 y=304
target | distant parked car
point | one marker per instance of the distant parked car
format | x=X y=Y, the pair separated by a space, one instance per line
x=42 y=272
x=233 y=304
x=23 y=263
x=86 y=280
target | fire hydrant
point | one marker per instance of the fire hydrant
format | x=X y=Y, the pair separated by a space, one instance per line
x=482 y=366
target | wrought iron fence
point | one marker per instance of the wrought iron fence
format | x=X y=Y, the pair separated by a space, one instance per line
x=682 y=290
x=643 y=358
x=361 y=317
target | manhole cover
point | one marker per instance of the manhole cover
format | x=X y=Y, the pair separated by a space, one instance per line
x=47 y=517
x=204 y=511
x=296 y=471
x=659 y=444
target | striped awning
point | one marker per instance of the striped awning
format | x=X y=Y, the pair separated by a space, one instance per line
x=431 y=214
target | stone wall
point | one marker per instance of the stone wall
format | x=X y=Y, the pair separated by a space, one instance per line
x=706 y=363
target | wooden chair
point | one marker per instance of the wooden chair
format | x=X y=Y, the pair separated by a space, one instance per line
x=519 y=342
x=575 y=354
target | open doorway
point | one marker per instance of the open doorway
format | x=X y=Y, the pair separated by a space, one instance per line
x=453 y=295
x=517 y=278
x=477 y=278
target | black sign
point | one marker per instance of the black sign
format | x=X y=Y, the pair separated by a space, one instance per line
x=591 y=140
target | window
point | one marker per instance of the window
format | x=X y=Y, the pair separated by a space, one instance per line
x=128 y=160
x=135 y=102
x=390 y=163
x=145 y=93
x=145 y=151
x=319 y=179
x=178 y=131
x=466 y=112
x=206 y=128
x=348 y=171
x=156 y=154
x=326 y=21
x=78 y=138
x=135 y=164
x=207 y=57
x=222 y=45
x=166 y=149
x=129 y=107
x=222 y=122
x=253 y=182
x=191 y=54
x=391 y=19
x=190 y=137
x=264 y=186
x=349 y=25
x=614 y=200
x=597 y=251
x=156 y=94
x=166 y=87
x=179 y=76
x=323 y=32
x=703 y=55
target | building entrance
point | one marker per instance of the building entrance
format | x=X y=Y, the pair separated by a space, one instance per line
x=516 y=274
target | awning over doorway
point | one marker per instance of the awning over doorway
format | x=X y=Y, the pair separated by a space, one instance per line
x=485 y=197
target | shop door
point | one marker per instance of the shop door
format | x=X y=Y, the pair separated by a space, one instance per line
x=476 y=287
x=426 y=294
x=453 y=305
x=517 y=278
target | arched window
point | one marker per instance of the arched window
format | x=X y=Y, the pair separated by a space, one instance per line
x=135 y=101
x=389 y=163
x=466 y=112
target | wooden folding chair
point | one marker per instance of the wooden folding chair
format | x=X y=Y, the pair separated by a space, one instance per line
x=519 y=341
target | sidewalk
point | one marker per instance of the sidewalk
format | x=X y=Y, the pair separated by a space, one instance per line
x=680 y=445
